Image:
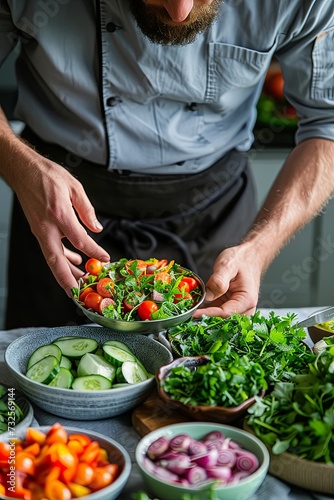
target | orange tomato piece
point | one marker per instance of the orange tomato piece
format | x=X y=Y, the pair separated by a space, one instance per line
x=33 y=449
x=101 y=479
x=56 y=434
x=82 y=438
x=4 y=452
x=84 y=474
x=35 y=436
x=24 y=462
x=76 y=447
x=91 y=452
x=113 y=470
x=164 y=277
x=56 y=490
x=61 y=456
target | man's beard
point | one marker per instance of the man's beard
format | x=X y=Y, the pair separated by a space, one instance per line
x=157 y=25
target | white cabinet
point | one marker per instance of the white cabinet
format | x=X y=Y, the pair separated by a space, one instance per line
x=303 y=273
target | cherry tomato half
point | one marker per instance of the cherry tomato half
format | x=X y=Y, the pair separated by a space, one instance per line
x=92 y=301
x=146 y=309
x=192 y=283
x=94 y=266
x=105 y=287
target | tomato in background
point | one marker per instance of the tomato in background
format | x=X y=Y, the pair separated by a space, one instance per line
x=274 y=86
x=94 y=266
x=146 y=309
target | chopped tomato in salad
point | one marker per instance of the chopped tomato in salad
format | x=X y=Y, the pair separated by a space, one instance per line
x=132 y=290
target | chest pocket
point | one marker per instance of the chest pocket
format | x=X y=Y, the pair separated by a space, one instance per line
x=323 y=66
x=232 y=68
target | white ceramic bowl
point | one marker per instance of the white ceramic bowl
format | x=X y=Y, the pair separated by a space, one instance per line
x=85 y=405
x=26 y=408
x=197 y=430
x=116 y=454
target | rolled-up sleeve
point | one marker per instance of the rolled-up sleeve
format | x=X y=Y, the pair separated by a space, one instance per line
x=307 y=64
x=9 y=34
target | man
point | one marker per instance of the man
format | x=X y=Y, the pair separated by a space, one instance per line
x=149 y=104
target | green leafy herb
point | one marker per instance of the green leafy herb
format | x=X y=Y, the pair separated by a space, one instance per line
x=274 y=342
x=298 y=416
x=229 y=382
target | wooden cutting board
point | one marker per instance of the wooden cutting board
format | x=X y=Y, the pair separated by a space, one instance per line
x=153 y=414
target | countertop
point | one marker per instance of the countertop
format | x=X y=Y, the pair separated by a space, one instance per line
x=120 y=429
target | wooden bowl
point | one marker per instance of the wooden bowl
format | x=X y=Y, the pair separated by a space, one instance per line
x=318 y=332
x=218 y=414
x=299 y=472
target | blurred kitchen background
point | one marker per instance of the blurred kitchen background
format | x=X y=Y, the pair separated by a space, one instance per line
x=303 y=273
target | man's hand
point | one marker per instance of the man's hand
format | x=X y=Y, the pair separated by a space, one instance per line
x=234 y=285
x=56 y=207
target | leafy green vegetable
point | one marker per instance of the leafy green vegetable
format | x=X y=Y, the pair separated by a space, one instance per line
x=5 y=414
x=298 y=416
x=228 y=382
x=274 y=342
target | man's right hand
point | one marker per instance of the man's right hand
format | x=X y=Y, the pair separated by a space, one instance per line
x=55 y=205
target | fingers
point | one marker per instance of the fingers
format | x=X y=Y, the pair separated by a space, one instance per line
x=216 y=287
x=72 y=257
x=85 y=209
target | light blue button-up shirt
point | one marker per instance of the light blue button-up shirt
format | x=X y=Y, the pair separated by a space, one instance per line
x=90 y=81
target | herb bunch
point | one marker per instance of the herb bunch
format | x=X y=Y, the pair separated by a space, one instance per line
x=298 y=416
x=274 y=342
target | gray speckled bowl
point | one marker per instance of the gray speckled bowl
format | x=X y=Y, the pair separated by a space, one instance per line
x=27 y=410
x=85 y=405
x=116 y=454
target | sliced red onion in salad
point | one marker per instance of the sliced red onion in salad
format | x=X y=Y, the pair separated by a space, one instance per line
x=188 y=462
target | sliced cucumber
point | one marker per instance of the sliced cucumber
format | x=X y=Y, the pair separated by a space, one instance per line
x=91 y=383
x=120 y=345
x=117 y=356
x=65 y=363
x=45 y=370
x=65 y=337
x=94 y=364
x=76 y=346
x=43 y=352
x=133 y=373
x=63 y=379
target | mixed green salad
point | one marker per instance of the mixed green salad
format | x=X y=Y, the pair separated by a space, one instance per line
x=132 y=290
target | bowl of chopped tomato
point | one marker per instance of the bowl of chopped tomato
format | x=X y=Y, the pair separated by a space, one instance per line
x=64 y=463
x=138 y=296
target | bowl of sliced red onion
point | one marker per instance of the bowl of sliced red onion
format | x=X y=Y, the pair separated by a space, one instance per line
x=200 y=458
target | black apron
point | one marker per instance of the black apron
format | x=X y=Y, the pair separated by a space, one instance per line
x=187 y=218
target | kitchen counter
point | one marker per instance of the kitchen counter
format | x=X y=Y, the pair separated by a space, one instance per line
x=120 y=428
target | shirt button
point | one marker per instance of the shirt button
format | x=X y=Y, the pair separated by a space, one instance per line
x=113 y=101
x=112 y=27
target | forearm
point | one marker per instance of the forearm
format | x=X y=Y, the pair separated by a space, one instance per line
x=11 y=148
x=302 y=188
